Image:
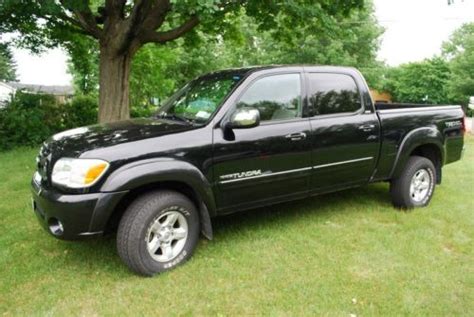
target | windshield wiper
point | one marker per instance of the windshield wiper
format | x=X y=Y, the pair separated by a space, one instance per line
x=175 y=117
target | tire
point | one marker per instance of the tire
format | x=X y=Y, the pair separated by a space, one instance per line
x=158 y=231
x=407 y=192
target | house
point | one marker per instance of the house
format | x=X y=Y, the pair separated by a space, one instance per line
x=61 y=93
x=6 y=91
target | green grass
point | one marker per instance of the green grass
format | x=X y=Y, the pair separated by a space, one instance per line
x=339 y=254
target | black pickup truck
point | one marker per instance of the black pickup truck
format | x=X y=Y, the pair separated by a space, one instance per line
x=234 y=140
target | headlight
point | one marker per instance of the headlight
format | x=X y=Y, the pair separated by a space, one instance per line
x=78 y=173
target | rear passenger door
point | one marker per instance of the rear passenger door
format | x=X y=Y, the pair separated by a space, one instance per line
x=344 y=135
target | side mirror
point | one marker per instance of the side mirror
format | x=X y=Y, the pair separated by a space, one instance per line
x=244 y=118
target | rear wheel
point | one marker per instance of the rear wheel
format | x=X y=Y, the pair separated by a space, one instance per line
x=158 y=231
x=415 y=185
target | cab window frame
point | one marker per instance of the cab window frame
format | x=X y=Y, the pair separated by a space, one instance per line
x=302 y=115
x=361 y=109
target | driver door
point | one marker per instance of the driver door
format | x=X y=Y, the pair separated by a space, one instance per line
x=271 y=162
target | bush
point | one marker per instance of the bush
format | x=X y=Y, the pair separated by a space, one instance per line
x=81 y=111
x=30 y=119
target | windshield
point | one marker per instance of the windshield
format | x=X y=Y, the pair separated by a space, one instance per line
x=199 y=99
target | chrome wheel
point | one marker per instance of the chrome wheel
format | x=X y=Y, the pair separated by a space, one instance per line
x=420 y=185
x=166 y=236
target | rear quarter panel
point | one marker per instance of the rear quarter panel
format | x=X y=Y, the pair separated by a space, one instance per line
x=405 y=129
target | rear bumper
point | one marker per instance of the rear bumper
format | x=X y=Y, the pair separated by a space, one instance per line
x=78 y=215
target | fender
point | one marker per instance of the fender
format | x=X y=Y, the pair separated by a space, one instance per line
x=140 y=173
x=412 y=140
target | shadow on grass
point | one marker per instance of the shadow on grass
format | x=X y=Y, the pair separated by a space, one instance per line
x=316 y=207
x=100 y=253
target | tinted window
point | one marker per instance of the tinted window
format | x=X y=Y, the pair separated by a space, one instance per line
x=332 y=93
x=277 y=97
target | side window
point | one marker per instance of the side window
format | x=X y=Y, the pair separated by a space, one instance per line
x=332 y=93
x=276 y=97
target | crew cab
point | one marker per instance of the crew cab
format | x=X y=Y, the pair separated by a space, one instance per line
x=234 y=140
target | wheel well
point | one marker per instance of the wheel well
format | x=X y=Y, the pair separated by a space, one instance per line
x=123 y=204
x=431 y=152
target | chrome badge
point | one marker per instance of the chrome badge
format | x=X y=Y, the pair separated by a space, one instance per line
x=453 y=124
x=241 y=175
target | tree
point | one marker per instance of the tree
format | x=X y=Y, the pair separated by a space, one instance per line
x=7 y=64
x=353 y=40
x=420 y=82
x=459 y=51
x=158 y=70
x=122 y=27
x=83 y=64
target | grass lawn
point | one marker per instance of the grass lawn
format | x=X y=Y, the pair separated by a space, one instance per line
x=339 y=254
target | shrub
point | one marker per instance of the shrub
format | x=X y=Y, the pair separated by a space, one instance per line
x=29 y=119
x=81 y=111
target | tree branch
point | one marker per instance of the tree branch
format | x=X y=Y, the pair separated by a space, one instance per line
x=163 y=37
x=139 y=13
x=156 y=16
x=114 y=8
x=63 y=16
x=85 y=19
x=62 y=23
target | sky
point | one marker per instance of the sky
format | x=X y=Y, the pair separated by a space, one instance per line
x=414 y=30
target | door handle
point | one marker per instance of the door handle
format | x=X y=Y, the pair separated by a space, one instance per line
x=296 y=136
x=367 y=127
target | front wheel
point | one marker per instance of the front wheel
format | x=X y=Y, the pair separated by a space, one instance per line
x=158 y=231
x=415 y=185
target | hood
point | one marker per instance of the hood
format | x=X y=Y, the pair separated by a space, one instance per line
x=72 y=143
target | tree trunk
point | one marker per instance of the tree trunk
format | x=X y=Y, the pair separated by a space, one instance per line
x=114 y=73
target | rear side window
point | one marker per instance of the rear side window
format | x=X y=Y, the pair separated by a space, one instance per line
x=277 y=97
x=332 y=93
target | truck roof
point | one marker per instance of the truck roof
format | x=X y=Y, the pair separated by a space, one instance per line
x=244 y=71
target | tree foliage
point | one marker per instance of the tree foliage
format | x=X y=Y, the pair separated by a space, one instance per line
x=445 y=79
x=84 y=65
x=350 y=40
x=459 y=51
x=420 y=82
x=122 y=27
x=7 y=64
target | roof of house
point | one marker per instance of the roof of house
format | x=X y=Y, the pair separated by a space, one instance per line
x=43 y=89
x=6 y=85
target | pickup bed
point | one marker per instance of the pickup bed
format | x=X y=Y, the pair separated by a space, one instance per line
x=234 y=140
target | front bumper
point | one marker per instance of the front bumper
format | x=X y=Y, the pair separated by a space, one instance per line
x=79 y=215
